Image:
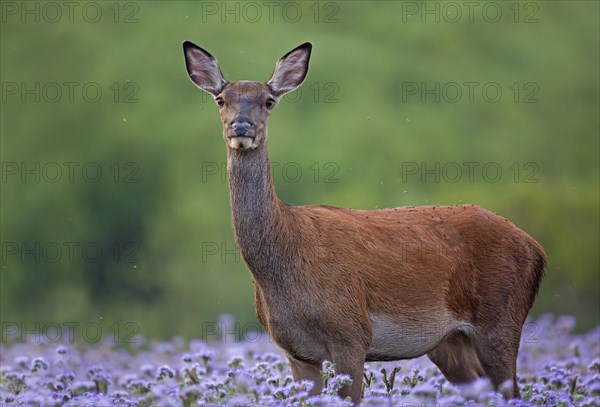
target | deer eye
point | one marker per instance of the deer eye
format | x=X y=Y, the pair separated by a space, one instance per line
x=220 y=102
x=270 y=103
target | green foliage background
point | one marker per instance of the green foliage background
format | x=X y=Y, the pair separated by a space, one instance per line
x=167 y=281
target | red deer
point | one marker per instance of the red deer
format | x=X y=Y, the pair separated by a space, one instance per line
x=453 y=282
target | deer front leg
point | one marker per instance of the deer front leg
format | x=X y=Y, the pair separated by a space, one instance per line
x=351 y=361
x=304 y=371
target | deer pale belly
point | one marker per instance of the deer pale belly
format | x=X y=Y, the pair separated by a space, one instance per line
x=400 y=337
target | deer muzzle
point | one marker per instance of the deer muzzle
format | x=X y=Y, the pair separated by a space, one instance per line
x=242 y=129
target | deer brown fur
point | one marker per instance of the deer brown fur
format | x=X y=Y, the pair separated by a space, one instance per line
x=453 y=282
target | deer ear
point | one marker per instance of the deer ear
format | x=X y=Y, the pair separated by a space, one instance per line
x=290 y=70
x=203 y=69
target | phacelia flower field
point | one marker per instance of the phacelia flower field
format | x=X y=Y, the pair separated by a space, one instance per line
x=555 y=368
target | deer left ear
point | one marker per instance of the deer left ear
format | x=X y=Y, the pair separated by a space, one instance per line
x=290 y=70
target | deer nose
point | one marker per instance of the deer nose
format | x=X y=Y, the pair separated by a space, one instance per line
x=241 y=128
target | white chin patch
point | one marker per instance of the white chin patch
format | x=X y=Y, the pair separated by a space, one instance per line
x=242 y=143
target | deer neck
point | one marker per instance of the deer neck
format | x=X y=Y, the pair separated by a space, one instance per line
x=256 y=210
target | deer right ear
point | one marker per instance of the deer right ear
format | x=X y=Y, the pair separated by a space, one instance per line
x=203 y=69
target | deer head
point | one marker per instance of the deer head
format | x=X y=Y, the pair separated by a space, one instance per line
x=245 y=106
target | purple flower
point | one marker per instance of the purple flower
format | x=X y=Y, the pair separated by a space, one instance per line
x=39 y=364
x=165 y=372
